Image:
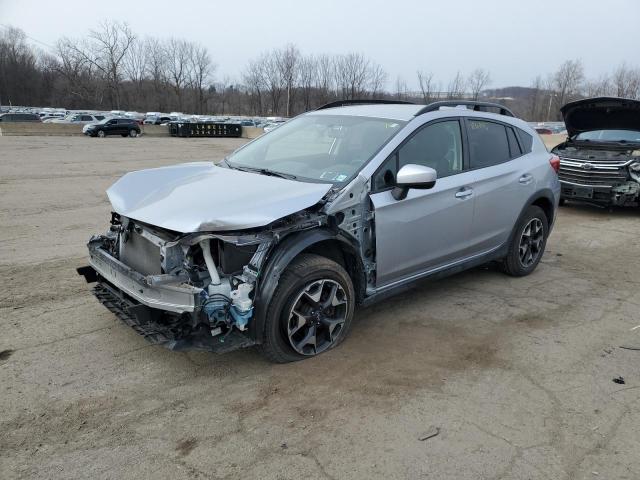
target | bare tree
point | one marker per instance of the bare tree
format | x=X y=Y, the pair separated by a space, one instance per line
x=178 y=55
x=536 y=98
x=377 y=80
x=456 y=87
x=325 y=81
x=567 y=82
x=106 y=49
x=598 y=87
x=256 y=85
x=626 y=82
x=401 y=92
x=135 y=70
x=200 y=71
x=477 y=81
x=427 y=85
x=18 y=66
x=352 y=74
x=287 y=60
x=79 y=73
x=308 y=74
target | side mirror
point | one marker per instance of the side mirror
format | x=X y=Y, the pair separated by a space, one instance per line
x=413 y=176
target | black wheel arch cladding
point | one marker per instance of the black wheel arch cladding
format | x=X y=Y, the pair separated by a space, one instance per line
x=277 y=262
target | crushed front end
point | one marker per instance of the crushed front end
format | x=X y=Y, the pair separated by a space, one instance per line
x=183 y=291
x=603 y=176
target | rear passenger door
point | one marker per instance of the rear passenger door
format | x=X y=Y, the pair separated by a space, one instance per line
x=122 y=127
x=503 y=180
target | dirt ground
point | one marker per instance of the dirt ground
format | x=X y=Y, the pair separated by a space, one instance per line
x=516 y=373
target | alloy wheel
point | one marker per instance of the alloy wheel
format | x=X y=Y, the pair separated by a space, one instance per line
x=531 y=242
x=317 y=317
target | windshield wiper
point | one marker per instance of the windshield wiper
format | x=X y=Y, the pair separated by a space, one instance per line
x=265 y=171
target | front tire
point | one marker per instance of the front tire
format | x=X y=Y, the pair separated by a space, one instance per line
x=311 y=310
x=101 y=133
x=527 y=243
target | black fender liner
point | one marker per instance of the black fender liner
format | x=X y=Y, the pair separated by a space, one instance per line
x=278 y=260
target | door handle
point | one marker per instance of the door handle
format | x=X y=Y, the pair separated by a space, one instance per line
x=526 y=179
x=467 y=192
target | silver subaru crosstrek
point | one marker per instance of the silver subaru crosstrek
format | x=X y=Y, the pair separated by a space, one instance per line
x=342 y=206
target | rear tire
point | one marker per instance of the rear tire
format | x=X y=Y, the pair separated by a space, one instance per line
x=133 y=133
x=528 y=242
x=310 y=312
x=562 y=202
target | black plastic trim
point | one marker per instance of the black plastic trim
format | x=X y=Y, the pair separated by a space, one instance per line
x=346 y=103
x=477 y=106
x=277 y=262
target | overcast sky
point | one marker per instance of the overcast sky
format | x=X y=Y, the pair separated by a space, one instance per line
x=515 y=40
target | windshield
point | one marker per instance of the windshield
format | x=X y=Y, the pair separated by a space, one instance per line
x=630 y=136
x=323 y=148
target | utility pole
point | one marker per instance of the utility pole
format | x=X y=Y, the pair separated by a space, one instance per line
x=551 y=95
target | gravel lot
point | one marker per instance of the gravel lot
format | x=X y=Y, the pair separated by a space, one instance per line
x=516 y=373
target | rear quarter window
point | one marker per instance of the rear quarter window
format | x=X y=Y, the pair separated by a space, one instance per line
x=526 y=140
x=514 y=146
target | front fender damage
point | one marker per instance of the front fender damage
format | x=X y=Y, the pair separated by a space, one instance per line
x=187 y=291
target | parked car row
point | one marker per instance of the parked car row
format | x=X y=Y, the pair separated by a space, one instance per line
x=549 y=128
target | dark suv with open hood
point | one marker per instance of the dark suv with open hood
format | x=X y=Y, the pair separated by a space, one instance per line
x=600 y=161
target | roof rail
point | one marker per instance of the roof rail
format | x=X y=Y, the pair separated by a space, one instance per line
x=477 y=106
x=346 y=103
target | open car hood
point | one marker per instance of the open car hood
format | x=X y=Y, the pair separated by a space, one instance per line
x=603 y=113
x=198 y=197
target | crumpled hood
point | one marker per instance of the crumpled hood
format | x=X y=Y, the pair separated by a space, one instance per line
x=602 y=113
x=198 y=197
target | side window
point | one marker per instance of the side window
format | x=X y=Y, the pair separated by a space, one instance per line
x=86 y=118
x=526 y=140
x=514 y=147
x=488 y=144
x=438 y=146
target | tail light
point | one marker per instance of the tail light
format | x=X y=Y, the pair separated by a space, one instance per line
x=554 y=161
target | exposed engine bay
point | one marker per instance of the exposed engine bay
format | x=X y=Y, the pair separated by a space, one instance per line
x=600 y=161
x=608 y=175
x=198 y=290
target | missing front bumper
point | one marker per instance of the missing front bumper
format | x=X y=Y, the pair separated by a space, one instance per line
x=170 y=331
x=177 y=298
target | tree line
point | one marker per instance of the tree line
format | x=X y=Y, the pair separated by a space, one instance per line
x=113 y=68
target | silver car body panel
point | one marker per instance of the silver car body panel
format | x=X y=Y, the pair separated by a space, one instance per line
x=427 y=229
x=432 y=228
x=198 y=197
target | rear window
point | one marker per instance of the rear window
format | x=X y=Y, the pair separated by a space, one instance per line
x=488 y=143
x=526 y=140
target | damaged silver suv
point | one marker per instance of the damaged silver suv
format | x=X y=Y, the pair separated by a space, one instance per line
x=342 y=206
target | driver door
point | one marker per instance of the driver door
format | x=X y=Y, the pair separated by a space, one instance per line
x=429 y=228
